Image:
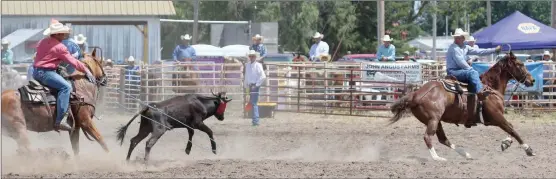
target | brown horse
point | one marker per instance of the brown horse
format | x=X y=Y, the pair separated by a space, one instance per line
x=19 y=116
x=437 y=101
x=185 y=79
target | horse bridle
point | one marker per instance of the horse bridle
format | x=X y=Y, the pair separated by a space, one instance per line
x=102 y=80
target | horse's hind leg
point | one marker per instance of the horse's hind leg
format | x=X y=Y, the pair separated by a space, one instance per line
x=432 y=126
x=444 y=140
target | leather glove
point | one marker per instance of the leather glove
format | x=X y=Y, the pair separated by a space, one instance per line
x=498 y=49
x=90 y=77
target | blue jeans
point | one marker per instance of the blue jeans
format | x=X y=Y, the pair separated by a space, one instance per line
x=471 y=77
x=53 y=80
x=254 y=98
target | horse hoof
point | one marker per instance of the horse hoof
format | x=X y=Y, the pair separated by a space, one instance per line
x=529 y=152
x=439 y=159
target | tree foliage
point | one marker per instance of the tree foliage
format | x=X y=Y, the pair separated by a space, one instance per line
x=347 y=25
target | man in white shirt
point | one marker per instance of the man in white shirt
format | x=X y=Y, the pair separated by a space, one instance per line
x=254 y=77
x=318 y=48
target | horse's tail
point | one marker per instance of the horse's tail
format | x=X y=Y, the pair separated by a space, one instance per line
x=399 y=107
x=120 y=134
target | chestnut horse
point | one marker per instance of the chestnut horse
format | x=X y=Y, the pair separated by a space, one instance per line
x=19 y=116
x=435 y=102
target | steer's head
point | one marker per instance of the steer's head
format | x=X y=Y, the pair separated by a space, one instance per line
x=220 y=103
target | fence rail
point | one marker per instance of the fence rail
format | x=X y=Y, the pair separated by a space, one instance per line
x=324 y=88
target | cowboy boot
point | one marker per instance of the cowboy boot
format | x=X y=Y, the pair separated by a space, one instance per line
x=63 y=125
x=471 y=110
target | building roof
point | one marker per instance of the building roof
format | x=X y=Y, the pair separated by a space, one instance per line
x=89 y=8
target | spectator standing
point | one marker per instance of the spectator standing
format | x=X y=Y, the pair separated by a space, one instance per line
x=254 y=77
x=386 y=51
x=258 y=46
x=318 y=48
x=132 y=80
x=7 y=53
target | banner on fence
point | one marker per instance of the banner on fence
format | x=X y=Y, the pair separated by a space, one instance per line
x=373 y=72
x=536 y=69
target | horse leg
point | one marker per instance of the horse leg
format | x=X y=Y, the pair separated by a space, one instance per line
x=207 y=130
x=158 y=131
x=189 y=143
x=444 y=140
x=431 y=130
x=508 y=128
x=145 y=129
x=20 y=136
x=90 y=128
x=74 y=136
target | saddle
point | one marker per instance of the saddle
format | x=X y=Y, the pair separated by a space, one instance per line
x=451 y=84
x=37 y=93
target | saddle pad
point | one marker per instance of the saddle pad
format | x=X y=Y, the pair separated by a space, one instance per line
x=36 y=96
x=453 y=87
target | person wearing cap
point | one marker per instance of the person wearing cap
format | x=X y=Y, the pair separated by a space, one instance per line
x=73 y=49
x=81 y=41
x=258 y=46
x=184 y=52
x=254 y=77
x=7 y=53
x=318 y=48
x=406 y=56
x=546 y=56
x=50 y=53
x=457 y=66
x=386 y=51
x=471 y=42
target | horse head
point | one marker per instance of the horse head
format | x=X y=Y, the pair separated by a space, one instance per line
x=94 y=63
x=516 y=69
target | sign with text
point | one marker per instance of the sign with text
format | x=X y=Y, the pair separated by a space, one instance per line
x=536 y=70
x=372 y=71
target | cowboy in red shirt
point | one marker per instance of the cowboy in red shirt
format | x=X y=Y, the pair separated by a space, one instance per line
x=50 y=53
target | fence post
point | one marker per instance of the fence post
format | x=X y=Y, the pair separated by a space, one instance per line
x=351 y=92
x=121 y=98
x=298 y=87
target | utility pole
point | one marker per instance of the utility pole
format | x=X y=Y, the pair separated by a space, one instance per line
x=195 y=22
x=553 y=21
x=447 y=32
x=434 y=31
x=489 y=13
x=380 y=26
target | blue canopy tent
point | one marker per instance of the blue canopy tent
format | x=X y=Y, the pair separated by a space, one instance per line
x=518 y=30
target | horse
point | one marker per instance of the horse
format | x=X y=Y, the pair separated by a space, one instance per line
x=21 y=113
x=439 y=101
x=185 y=79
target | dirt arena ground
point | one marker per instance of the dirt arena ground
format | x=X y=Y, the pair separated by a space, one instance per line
x=298 y=145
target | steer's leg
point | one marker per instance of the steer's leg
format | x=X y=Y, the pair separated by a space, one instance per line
x=189 y=143
x=207 y=130
x=158 y=131
x=144 y=129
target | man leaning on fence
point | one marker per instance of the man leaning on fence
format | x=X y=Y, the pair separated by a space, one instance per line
x=458 y=66
x=254 y=77
x=318 y=48
x=386 y=51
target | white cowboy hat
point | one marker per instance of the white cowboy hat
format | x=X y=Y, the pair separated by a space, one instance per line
x=108 y=61
x=387 y=38
x=185 y=37
x=471 y=39
x=5 y=42
x=131 y=59
x=459 y=32
x=80 y=39
x=56 y=28
x=547 y=53
x=318 y=35
x=252 y=52
x=257 y=37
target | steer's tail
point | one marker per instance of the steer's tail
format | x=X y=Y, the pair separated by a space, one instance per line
x=399 y=107
x=122 y=130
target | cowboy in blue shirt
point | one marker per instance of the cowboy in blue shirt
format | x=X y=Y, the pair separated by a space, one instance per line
x=184 y=51
x=258 y=46
x=457 y=65
x=74 y=50
x=387 y=51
